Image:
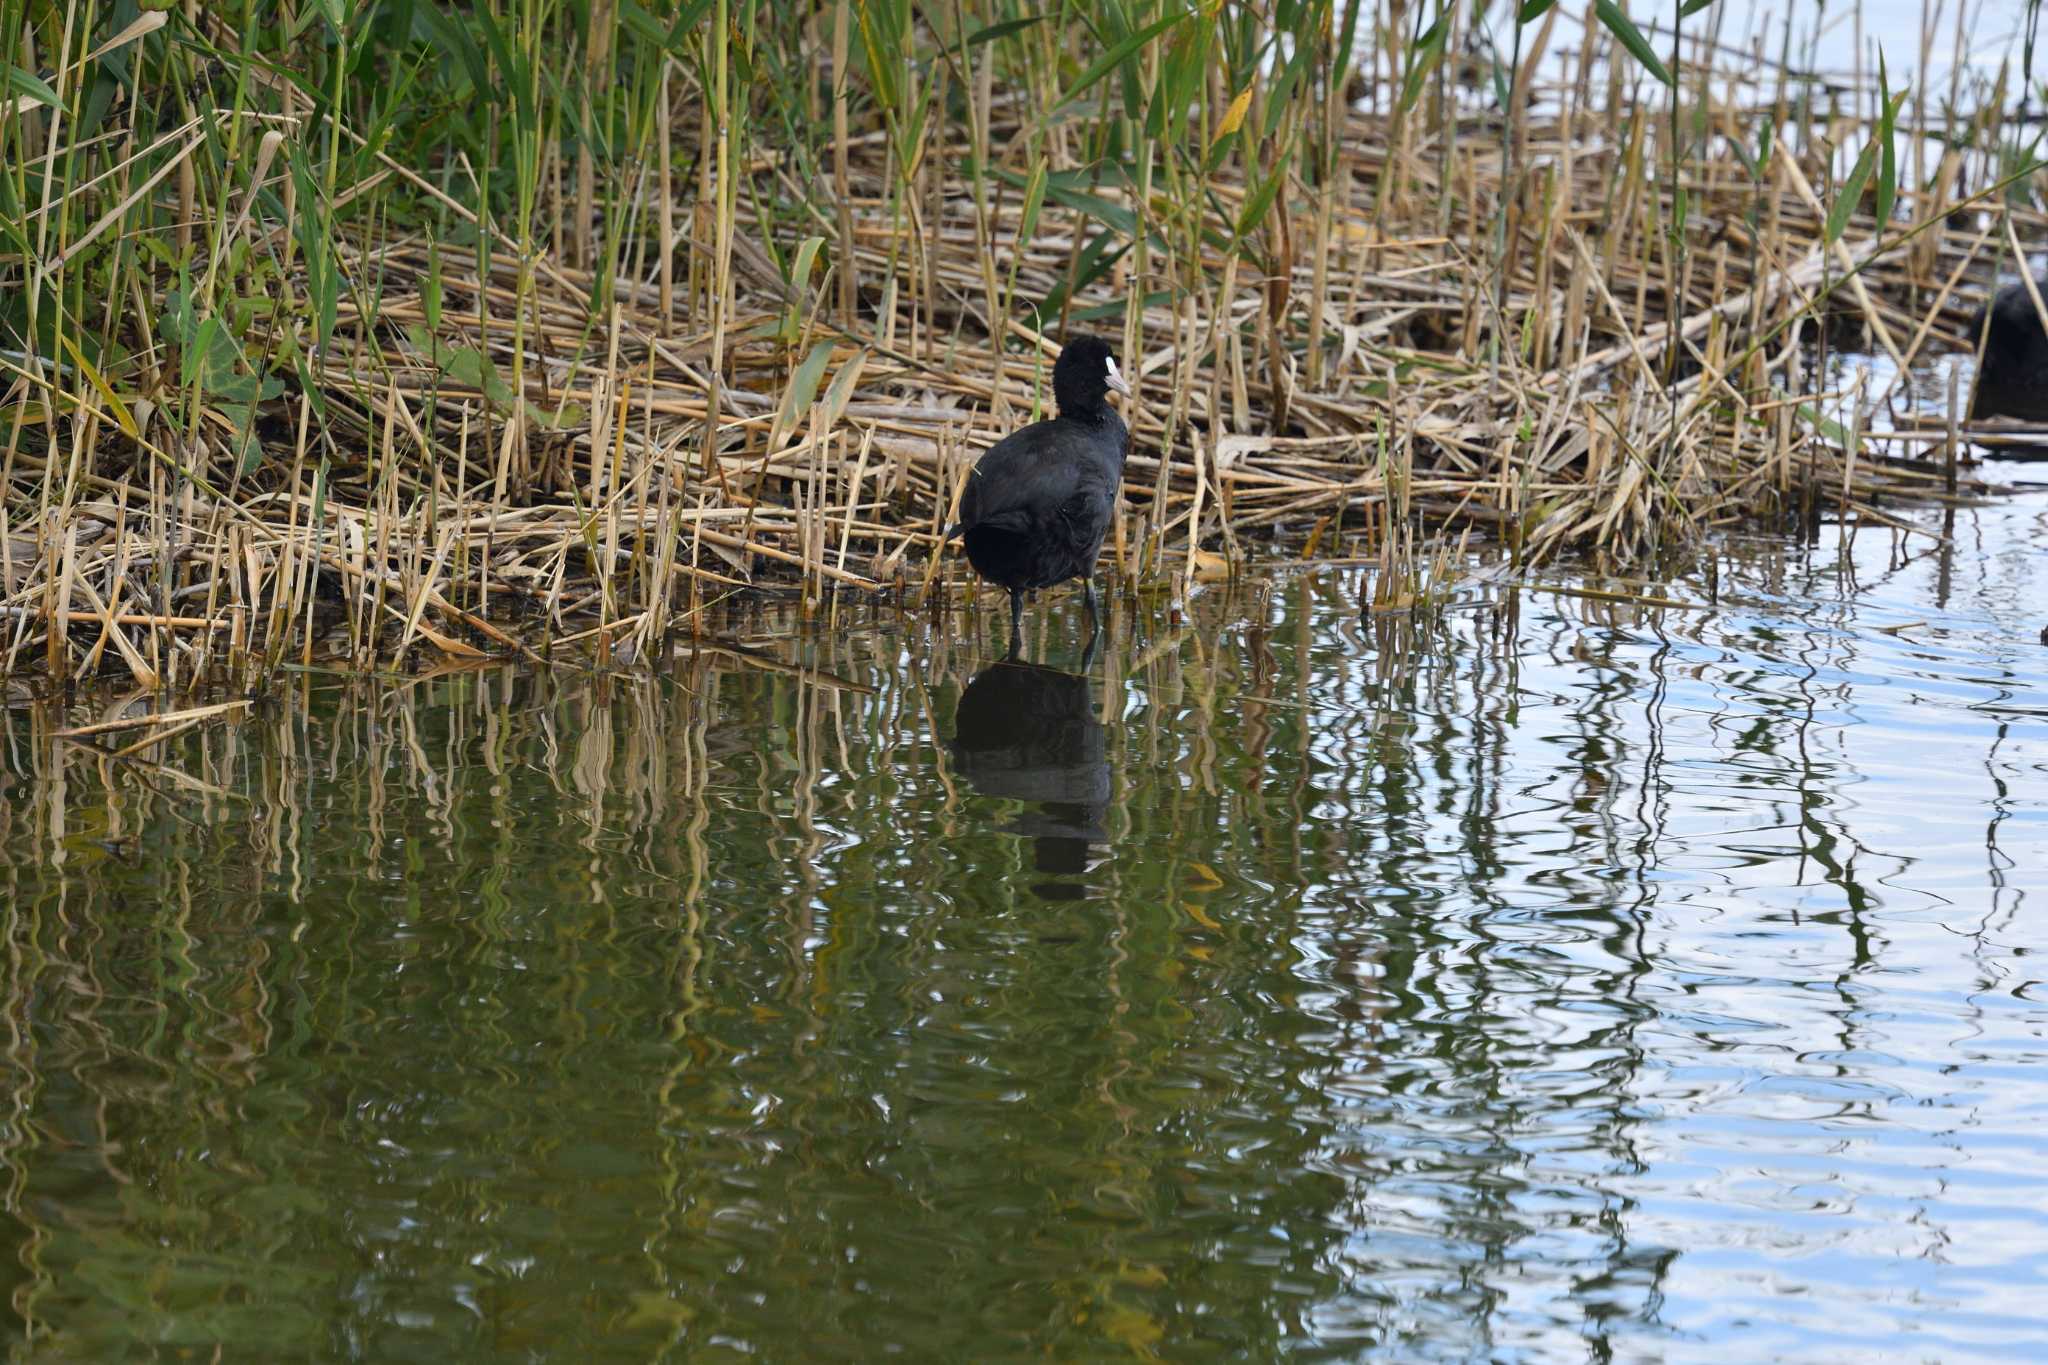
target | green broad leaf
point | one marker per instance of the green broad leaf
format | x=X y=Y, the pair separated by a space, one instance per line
x=454 y=41
x=561 y=419
x=316 y=250
x=1181 y=71
x=514 y=66
x=803 y=385
x=316 y=397
x=1034 y=200
x=24 y=83
x=1887 y=137
x=193 y=369
x=426 y=342
x=1096 y=259
x=472 y=369
x=1187 y=74
x=430 y=288
x=1741 y=153
x=1095 y=206
x=1260 y=200
x=806 y=254
x=1692 y=7
x=1850 y=192
x=1158 y=298
x=1630 y=37
x=654 y=32
x=1002 y=30
x=242 y=389
x=687 y=19
x=1826 y=426
x=643 y=25
x=789 y=328
x=251 y=448
x=1532 y=10
x=122 y=417
x=1422 y=59
x=1281 y=96
x=1116 y=56
x=319 y=495
x=841 y=391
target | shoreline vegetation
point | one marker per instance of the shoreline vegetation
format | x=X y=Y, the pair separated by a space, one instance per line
x=408 y=330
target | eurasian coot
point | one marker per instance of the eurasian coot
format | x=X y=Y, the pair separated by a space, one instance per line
x=1038 y=504
x=2012 y=380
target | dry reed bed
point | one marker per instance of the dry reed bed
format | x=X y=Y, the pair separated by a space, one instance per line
x=1476 y=321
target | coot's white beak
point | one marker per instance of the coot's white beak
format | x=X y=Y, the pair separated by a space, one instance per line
x=1117 y=381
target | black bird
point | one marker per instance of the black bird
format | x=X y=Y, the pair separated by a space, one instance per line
x=1038 y=504
x=2012 y=379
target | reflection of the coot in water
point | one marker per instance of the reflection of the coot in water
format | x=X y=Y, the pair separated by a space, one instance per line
x=1029 y=733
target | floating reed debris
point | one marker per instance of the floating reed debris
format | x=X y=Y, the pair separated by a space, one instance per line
x=329 y=332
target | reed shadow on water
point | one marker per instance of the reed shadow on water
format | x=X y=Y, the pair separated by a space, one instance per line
x=1026 y=732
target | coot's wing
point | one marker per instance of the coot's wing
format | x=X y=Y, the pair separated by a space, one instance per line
x=1022 y=479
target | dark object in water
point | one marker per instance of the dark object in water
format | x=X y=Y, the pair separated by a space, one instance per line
x=1038 y=504
x=2012 y=380
x=1029 y=733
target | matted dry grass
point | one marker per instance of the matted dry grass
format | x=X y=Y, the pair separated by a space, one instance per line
x=1460 y=321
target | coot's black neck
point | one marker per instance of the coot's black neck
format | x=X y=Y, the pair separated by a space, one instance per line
x=1090 y=413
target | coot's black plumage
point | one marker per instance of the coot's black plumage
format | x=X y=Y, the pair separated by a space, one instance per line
x=2012 y=381
x=1038 y=504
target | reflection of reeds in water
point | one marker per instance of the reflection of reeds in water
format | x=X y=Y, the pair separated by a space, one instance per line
x=595 y=318
x=1355 y=875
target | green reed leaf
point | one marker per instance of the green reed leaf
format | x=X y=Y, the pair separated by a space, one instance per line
x=1850 y=193
x=1630 y=37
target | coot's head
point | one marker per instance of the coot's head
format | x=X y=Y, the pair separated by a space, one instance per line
x=1083 y=376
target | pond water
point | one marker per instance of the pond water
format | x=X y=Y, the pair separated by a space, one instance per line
x=1554 y=978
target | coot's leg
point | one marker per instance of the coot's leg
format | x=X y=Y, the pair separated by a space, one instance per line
x=1088 y=596
x=1016 y=622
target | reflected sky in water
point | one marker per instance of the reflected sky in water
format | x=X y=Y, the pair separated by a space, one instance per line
x=1550 y=978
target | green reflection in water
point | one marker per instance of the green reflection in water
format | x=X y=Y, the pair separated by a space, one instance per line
x=1547 y=979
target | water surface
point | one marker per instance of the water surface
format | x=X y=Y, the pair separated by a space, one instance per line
x=1554 y=978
